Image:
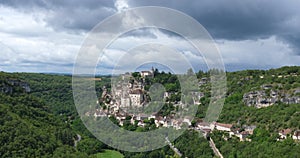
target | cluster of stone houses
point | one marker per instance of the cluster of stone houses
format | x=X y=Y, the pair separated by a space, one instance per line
x=128 y=98
x=145 y=74
x=161 y=121
x=286 y=76
x=179 y=123
x=261 y=99
x=128 y=94
x=285 y=133
x=278 y=76
x=140 y=119
x=242 y=134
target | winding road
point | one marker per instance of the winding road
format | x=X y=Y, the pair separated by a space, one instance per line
x=78 y=140
x=173 y=147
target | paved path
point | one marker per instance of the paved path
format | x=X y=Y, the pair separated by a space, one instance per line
x=173 y=147
x=215 y=149
x=211 y=144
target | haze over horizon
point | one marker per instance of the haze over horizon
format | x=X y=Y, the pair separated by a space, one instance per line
x=45 y=36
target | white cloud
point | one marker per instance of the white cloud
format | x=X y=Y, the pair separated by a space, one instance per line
x=268 y=52
x=121 y=5
x=33 y=44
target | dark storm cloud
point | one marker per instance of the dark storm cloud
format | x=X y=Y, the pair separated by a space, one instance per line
x=77 y=19
x=224 y=19
x=293 y=40
x=67 y=15
x=29 y=4
x=240 y=20
x=55 y=4
x=233 y=19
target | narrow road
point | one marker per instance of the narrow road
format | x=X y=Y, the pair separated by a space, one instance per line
x=215 y=149
x=211 y=144
x=78 y=140
x=173 y=147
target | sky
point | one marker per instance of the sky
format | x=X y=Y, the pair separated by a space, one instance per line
x=46 y=35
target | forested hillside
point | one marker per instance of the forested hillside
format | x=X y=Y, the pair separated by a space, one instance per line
x=39 y=119
x=284 y=83
x=27 y=128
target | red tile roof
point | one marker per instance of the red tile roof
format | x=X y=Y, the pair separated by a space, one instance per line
x=286 y=131
x=224 y=125
x=245 y=133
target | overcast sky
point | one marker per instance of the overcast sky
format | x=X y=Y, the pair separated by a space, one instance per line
x=46 y=35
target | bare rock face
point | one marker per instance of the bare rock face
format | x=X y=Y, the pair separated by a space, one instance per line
x=11 y=85
x=6 y=89
x=261 y=98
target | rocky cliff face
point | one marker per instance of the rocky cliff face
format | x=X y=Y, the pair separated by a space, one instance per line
x=9 y=86
x=6 y=89
x=261 y=98
x=24 y=85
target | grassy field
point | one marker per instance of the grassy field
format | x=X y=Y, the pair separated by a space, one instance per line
x=110 y=154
